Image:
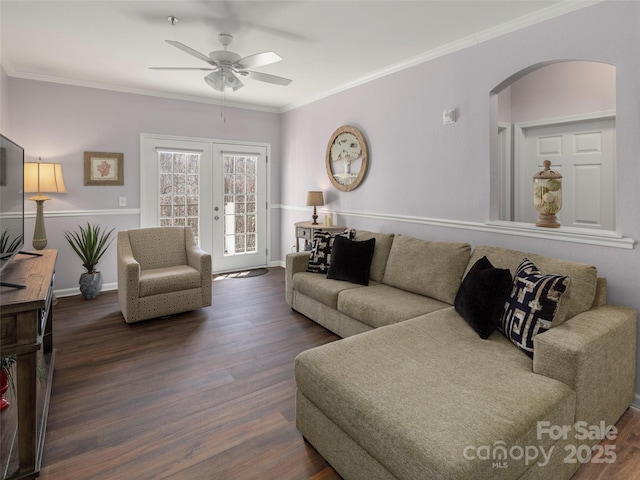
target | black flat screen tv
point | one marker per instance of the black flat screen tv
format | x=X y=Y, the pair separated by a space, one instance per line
x=11 y=201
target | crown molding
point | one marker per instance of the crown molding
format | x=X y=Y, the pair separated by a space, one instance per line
x=553 y=11
x=137 y=91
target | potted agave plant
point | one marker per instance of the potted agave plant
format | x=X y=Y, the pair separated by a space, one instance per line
x=90 y=244
x=7 y=245
x=6 y=380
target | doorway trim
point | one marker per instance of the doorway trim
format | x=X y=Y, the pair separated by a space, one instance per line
x=149 y=143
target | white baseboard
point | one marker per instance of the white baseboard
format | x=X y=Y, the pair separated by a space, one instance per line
x=70 y=292
x=636 y=402
x=278 y=263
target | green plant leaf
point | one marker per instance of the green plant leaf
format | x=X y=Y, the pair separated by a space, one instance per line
x=90 y=244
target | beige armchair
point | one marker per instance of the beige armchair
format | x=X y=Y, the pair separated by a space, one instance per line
x=161 y=271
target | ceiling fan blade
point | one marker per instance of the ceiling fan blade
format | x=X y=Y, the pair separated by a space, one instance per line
x=258 y=60
x=190 y=51
x=182 y=68
x=265 y=77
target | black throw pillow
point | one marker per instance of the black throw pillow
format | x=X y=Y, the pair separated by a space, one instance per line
x=481 y=297
x=351 y=260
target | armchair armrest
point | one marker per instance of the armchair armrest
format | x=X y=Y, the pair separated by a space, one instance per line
x=128 y=275
x=594 y=353
x=296 y=262
x=200 y=260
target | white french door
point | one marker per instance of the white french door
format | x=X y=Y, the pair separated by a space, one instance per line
x=219 y=189
x=239 y=206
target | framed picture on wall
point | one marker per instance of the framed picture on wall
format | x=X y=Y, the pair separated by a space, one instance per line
x=103 y=168
x=346 y=158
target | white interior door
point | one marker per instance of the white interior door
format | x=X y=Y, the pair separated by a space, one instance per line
x=239 y=210
x=584 y=153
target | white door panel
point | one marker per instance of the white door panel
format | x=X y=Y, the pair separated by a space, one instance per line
x=239 y=207
x=584 y=153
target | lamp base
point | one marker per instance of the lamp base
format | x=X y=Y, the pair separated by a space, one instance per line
x=547 y=220
x=39 y=234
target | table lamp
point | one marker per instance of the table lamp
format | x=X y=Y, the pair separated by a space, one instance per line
x=315 y=199
x=42 y=177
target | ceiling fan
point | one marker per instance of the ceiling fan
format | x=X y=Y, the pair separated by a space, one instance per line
x=226 y=66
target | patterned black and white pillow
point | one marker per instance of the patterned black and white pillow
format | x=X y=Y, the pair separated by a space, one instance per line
x=537 y=302
x=320 y=258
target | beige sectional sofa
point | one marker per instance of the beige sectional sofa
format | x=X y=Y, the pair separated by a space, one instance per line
x=415 y=393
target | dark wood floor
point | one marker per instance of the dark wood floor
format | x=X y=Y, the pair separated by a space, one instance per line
x=204 y=395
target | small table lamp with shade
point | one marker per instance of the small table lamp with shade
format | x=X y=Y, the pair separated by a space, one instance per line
x=42 y=177
x=315 y=199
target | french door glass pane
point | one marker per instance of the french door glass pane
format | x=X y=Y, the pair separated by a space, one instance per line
x=180 y=189
x=240 y=185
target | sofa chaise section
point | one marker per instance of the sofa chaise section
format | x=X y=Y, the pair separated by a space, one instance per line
x=424 y=398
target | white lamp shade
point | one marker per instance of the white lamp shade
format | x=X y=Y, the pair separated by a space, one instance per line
x=43 y=177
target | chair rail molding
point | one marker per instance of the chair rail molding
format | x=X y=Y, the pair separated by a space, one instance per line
x=563 y=234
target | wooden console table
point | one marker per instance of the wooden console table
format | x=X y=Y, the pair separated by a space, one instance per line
x=26 y=320
x=306 y=230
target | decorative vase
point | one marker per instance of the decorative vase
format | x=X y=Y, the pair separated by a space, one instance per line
x=90 y=285
x=547 y=196
x=4 y=386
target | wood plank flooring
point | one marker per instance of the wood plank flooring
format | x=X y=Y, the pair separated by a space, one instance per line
x=203 y=395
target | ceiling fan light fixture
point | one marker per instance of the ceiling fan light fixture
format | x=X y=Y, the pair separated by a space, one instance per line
x=232 y=81
x=215 y=80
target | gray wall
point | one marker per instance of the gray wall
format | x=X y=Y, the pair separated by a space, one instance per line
x=61 y=122
x=421 y=169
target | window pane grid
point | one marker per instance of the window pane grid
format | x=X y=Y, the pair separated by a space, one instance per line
x=179 y=189
x=240 y=186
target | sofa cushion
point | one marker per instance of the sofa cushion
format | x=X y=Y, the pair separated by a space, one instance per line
x=537 y=302
x=583 y=277
x=351 y=260
x=321 y=288
x=398 y=388
x=321 y=249
x=163 y=280
x=481 y=296
x=380 y=305
x=380 y=252
x=433 y=269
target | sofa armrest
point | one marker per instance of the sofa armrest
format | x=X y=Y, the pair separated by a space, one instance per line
x=296 y=262
x=594 y=353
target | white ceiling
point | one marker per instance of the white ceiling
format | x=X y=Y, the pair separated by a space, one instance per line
x=327 y=46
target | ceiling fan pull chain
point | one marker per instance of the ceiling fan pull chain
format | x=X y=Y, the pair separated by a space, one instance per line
x=224 y=98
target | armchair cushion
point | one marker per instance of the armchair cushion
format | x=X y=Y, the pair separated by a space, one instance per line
x=168 y=279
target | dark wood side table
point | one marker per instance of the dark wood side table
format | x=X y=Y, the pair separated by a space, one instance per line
x=305 y=230
x=26 y=320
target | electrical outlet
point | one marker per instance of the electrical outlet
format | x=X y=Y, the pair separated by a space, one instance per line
x=122 y=201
